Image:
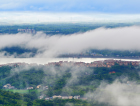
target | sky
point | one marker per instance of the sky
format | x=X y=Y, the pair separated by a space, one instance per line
x=103 y=6
x=40 y=11
x=43 y=11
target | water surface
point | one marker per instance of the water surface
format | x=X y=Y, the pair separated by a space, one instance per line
x=47 y=60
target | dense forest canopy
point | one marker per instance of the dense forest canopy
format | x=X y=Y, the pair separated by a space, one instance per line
x=63 y=28
x=30 y=85
x=63 y=80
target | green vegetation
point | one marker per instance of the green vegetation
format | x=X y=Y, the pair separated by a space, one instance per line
x=65 y=29
x=42 y=75
x=18 y=91
x=60 y=80
x=51 y=29
x=64 y=80
x=89 y=53
x=16 y=99
x=116 y=53
x=18 y=50
x=24 y=91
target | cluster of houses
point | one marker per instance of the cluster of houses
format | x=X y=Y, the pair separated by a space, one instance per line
x=27 y=30
x=14 y=64
x=105 y=63
x=8 y=86
x=61 y=97
x=38 y=87
x=42 y=87
x=18 y=64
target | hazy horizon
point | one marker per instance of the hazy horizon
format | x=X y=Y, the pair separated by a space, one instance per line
x=118 y=85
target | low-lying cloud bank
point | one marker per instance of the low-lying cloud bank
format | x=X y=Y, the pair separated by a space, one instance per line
x=125 y=38
x=117 y=94
x=64 y=17
x=121 y=92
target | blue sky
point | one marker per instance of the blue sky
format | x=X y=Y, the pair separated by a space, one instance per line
x=40 y=11
x=103 y=6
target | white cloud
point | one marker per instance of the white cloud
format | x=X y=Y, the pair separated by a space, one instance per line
x=106 y=6
x=117 y=94
x=10 y=5
x=46 y=17
x=126 y=38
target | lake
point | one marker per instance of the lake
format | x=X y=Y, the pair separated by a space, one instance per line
x=47 y=60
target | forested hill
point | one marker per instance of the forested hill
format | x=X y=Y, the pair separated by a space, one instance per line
x=60 y=80
x=64 y=29
x=23 y=77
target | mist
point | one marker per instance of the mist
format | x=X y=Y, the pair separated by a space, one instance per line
x=27 y=17
x=122 y=92
x=123 y=38
x=117 y=94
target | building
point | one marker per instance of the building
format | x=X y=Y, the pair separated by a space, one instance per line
x=57 y=96
x=8 y=86
x=38 y=86
x=65 y=97
x=29 y=87
x=76 y=97
x=41 y=97
x=27 y=31
x=47 y=98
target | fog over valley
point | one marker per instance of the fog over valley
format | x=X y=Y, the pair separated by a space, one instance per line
x=123 y=38
x=69 y=53
x=56 y=68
